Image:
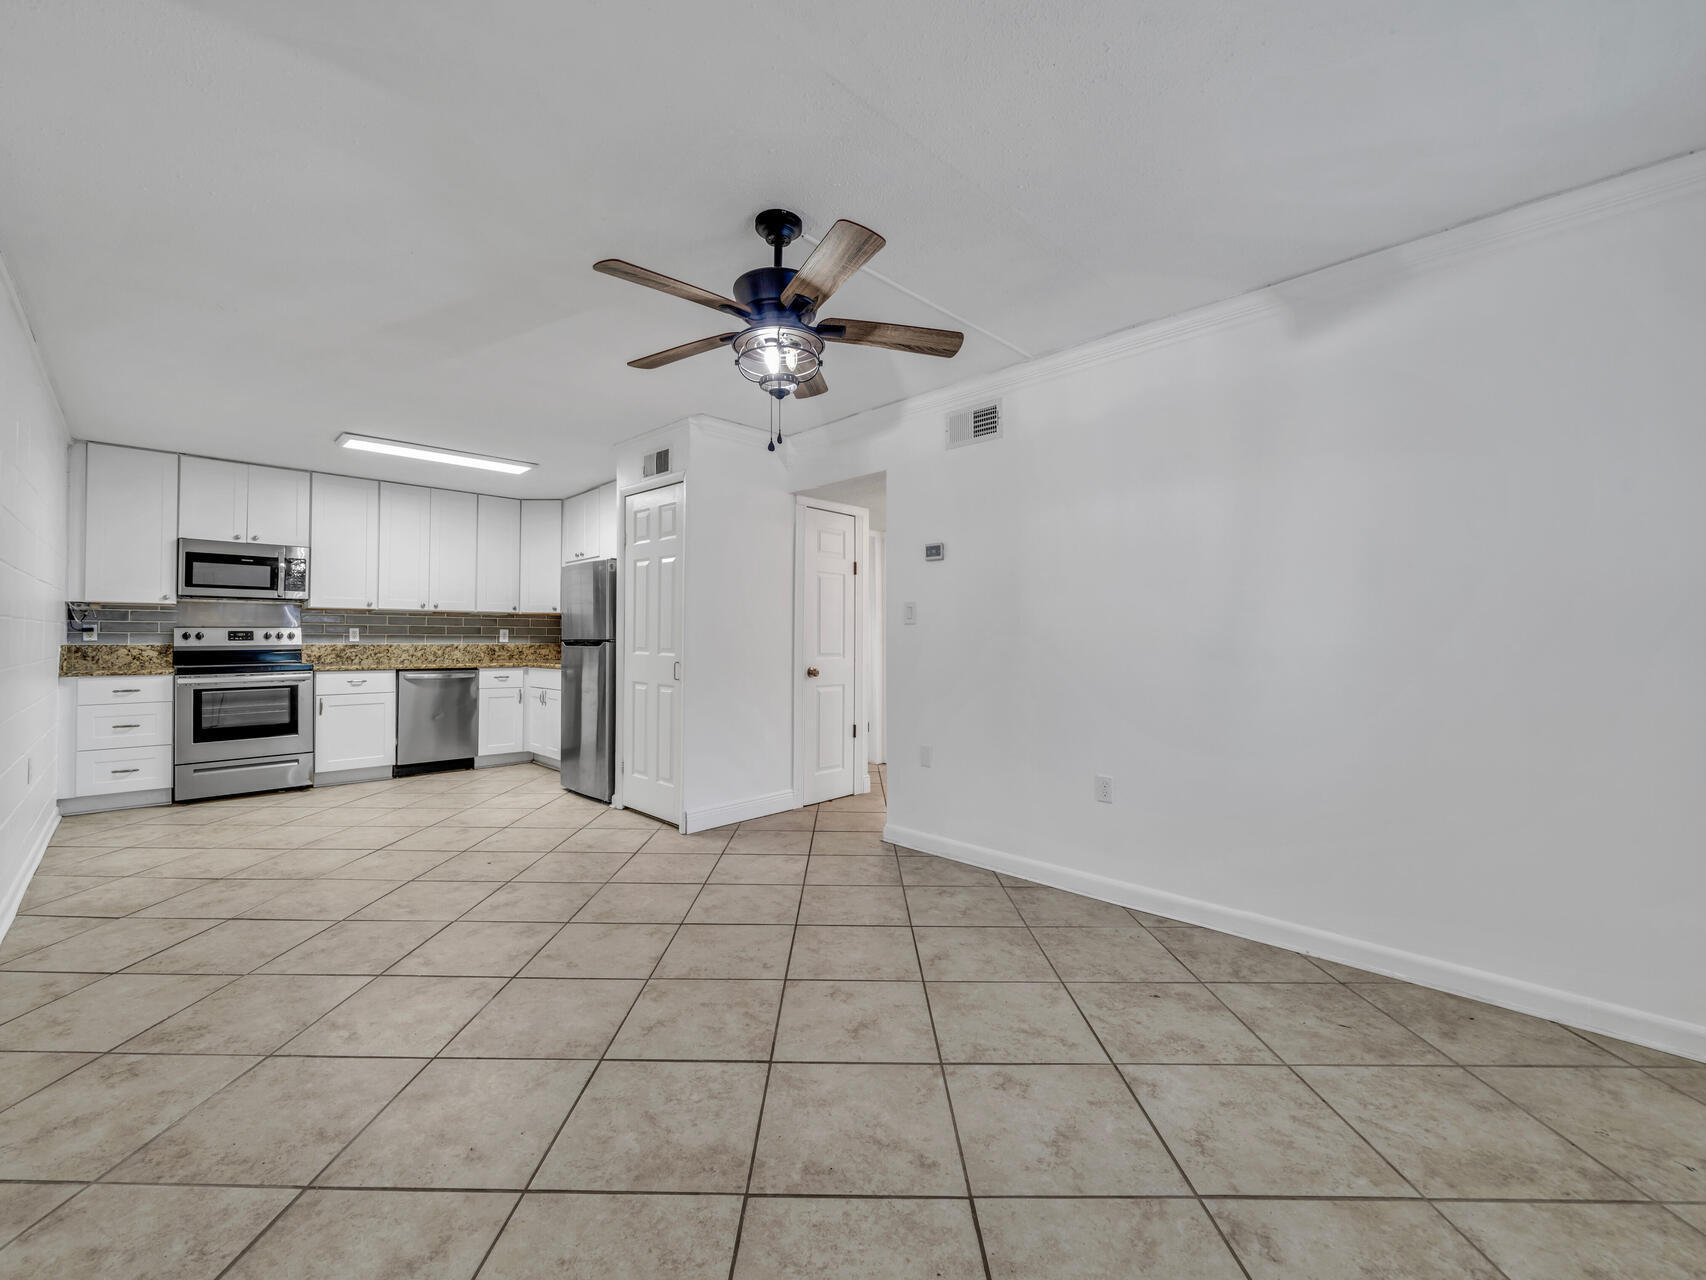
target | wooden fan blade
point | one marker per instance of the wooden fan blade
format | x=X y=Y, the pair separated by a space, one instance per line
x=812 y=386
x=896 y=337
x=667 y=284
x=658 y=359
x=841 y=252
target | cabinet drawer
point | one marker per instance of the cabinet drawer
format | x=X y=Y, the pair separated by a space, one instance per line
x=92 y=690
x=123 y=769
x=331 y=682
x=544 y=677
x=147 y=724
x=501 y=677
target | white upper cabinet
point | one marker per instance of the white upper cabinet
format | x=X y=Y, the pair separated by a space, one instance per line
x=237 y=502
x=405 y=526
x=343 y=559
x=130 y=526
x=574 y=528
x=454 y=566
x=609 y=520
x=541 y=554
x=589 y=524
x=279 y=506
x=498 y=575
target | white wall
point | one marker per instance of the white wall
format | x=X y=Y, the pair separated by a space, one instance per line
x=1381 y=596
x=33 y=452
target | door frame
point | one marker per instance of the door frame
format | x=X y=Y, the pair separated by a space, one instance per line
x=623 y=493
x=861 y=540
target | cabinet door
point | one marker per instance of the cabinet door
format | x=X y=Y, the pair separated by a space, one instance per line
x=503 y=721
x=609 y=522
x=547 y=706
x=541 y=555
x=130 y=535
x=355 y=731
x=278 y=507
x=343 y=557
x=498 y=572
x=454 y=569
x=213 y=500
x=405 y=527
x=574 y=528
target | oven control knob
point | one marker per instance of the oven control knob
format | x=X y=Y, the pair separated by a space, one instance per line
x=186 y=635
x=198 y=635
x=267 y=636
x=291 y=636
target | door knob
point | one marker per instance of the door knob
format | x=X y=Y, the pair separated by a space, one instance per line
x=811 y=673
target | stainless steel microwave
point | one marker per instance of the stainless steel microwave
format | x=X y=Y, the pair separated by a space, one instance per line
x=241 y=571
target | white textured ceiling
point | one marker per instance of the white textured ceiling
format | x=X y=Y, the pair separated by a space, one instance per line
x=242 y=226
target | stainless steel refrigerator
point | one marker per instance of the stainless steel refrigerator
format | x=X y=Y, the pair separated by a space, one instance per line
x=589 y=678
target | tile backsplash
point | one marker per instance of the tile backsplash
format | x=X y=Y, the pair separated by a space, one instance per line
x=153 y=624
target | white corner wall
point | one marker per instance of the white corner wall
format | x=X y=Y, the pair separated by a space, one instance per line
x=34 y=447
x=1381 y=596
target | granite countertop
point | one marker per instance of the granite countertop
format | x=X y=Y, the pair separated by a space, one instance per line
x=156 y=659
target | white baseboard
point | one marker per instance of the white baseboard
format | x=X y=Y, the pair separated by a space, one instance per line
x=34 y=846
x=105 y=803
x=740 y=811
x=1634 y=1025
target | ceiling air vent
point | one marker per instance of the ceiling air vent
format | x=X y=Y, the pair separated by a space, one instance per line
x=969 y=426
x=655 y=464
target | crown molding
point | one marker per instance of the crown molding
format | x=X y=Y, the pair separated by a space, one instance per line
x=1636 y=189
x=733 y=432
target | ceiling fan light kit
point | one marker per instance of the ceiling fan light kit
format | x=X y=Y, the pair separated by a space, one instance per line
x=781 y=347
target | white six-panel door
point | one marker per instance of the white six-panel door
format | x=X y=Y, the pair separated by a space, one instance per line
x=651 y=588
x=831 y=653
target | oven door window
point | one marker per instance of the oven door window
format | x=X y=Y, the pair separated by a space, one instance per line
x=229 y=571
x=231 y=715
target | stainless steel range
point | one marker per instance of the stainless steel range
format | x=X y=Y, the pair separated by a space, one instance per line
x=242 y=700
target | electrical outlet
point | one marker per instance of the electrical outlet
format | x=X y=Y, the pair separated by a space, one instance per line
x=924 y=757
x=1104 y=789
x=354 y=635
x=909 y=614
x=503 y=635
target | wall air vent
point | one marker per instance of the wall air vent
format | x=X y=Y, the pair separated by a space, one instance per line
x=969 y=426
x=655 y=464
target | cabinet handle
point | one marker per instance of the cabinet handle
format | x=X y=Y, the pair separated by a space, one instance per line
x=322 y=706
x=127 y=726
x=254 y=537
x=370 y=604
x=423 y=604
x=361 y=681
x=127 y=691
x=236 y=537
x=121 y=770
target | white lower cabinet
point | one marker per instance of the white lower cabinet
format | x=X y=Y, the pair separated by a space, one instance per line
x=503 y=717
x=355 y=722
x=118 y=732
x=545 y=712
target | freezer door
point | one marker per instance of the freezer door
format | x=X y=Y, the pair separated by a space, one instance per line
x=589 y=600
x=589 y=720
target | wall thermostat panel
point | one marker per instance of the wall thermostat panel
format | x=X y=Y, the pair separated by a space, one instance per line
x=935 y=551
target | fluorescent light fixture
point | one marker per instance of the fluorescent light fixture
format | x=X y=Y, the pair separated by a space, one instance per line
x=427 y=453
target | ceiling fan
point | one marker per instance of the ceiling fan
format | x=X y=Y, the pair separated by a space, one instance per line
x=781 y=346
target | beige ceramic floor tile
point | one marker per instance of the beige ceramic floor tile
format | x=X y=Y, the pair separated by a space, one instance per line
x=82 y=1125
x=1316 y=1022
x=867 y=842
x=855 y=1022
x=219 y=899
x=759 y=868
x=477 y=948
x=1347 y=1240
x=255 y=1014
x=1636 y=1054
x=397 y=1018
x=1123 y=954
x=105 y=1014
x=790 y=820
x=543 y=900
x=1103 y=1239
x=477 y=1124
x=1220 y=957
x=1582 y=1242
x=428 y=900
x=601 y=951
x=923 y=869
x=385 y=1235
x=21 y=992
x=728 y=951
x=667 y=841
x=698 y=1018
x=277 y=1125
x=938 y=905
x=143 y=1233
x=853 y=952
x=1476 y=1034
x=564 y=1236
x=853 y=904
x=392 y=864
x=22 y=1073
x=659 y=1126
x=1651 y=1134
x=44 y=889
x=857 y=1129
x=30 y=934
x=23 y=1203
x=547 y=1018
x=666 y=868
x=450 y=836
x=1057 y=1131
x=571 y=865
x=606 y=840
x=638 y=904
x=1172 y=1022
x=109 y=946
x=537 y=840
x=804 y=1238
x=355 y=946
x=231 y=946
x=771 y=841
x=1258 y=1131
x=982 y=953
x=851 y=868
x=1455 y=1138
x=851 y=820
x=485 y=864
x=746 y=904
x=1689 y=1080
x=1042 y=907
x=1010 y=1022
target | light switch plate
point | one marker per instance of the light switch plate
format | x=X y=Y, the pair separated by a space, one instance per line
x=909 y=614
x=354 y=635
x=503 y=635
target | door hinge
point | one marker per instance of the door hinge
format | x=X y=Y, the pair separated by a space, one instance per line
x=855 y=568
x=855 y=731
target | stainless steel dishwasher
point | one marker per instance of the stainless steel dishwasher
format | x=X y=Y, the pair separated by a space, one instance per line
x=438 y=719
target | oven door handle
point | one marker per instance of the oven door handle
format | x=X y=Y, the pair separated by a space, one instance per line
x=260 y=678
